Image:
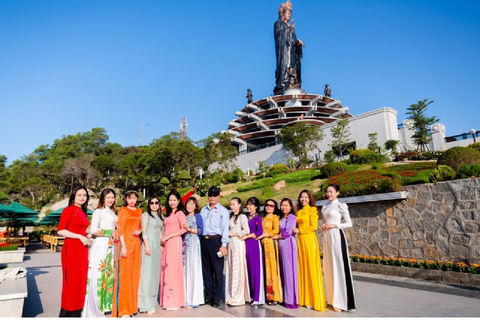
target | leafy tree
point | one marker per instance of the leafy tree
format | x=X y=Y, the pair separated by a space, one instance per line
x=35 y=187
x=292 y=163
x=329 y=156
x=4 y=174
x=93 y=140
x=169 y=155
x=300 y=139
x=392 y=145
x=79 y=171
x=133 y=166
x=263 y=168
x=20 y=171
x=218 y=148
x=421 y=123
x=341 y=136
x=373 y=141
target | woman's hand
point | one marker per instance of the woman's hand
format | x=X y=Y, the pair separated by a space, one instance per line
x=84 y=240
x=331 y=226
x=148 y=252
x=136 y=233
x=324 y=227
x=124 y=252
x=296 y=230
x=115 y=236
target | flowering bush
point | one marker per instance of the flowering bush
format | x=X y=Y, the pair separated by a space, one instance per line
x=449 y=265
x=461 y=266
x=412 y=263
x=357 y=183
x=472 y=268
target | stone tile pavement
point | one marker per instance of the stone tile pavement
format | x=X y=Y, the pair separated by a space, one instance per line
x=377 y=296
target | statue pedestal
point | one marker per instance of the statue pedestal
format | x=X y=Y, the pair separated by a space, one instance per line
x=294 y=91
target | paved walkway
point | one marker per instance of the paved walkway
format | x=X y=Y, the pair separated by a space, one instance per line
x=377 y=296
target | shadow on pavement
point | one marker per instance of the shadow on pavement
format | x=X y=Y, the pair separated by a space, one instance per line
x=32 y=306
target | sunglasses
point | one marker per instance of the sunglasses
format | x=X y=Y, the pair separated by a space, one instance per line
x=212 y=196
x=154 y=202
x=270 y=205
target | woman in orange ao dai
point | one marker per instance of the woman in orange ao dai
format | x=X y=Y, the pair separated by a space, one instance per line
x=127 y=269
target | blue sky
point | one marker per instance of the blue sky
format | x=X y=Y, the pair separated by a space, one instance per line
x=69 y=66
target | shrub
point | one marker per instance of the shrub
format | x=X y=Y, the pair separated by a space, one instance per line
x=431 y=155
x=255 y=185
x=366 y=156
x=361 y=183
x=8 y=247
x=468 y=171
x=442 y=173
x=329 y=156
x=334 y=168
x=459 y=156
x=299 y=175
x=406 y=155
x=267 y=192
x=234 y=176
x=412 y=173
x=276 y=169
x=475 y=146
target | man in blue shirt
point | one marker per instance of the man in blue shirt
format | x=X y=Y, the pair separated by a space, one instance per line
x=214 y=243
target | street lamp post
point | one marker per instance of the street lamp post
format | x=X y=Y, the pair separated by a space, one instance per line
x=473 y=132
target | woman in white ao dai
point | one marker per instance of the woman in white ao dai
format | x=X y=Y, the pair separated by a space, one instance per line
x=338 y=280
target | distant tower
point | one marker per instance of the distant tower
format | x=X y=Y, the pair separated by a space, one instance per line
x=183 y=128
x=141 y=133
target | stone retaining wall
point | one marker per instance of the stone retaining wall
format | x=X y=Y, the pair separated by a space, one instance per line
x=437 y=222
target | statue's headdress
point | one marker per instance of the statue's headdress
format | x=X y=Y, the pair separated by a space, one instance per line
x=285 y=6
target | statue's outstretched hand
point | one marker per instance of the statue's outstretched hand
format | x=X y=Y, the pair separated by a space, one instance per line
x=300 y=42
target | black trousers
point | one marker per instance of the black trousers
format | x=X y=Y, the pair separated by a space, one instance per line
x=65 y=313
x=212 y=268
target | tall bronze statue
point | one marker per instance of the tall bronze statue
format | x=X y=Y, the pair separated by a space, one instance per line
x=288 y=51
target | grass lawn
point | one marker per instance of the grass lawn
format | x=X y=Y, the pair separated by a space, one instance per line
x=291 y=191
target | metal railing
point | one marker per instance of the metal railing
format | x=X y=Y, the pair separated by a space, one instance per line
x=259 y=147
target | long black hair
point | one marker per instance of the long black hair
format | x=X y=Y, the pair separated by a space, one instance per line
x=149 y=210
x=71 y=201
x=175 y=193
x=240 y=209
x=255 y=202
x=334 y=186
x=276 y=210
x=101 y=200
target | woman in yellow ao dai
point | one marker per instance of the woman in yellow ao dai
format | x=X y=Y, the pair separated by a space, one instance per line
x=311 y=292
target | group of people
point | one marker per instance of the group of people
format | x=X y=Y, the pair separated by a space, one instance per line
x=182 y=258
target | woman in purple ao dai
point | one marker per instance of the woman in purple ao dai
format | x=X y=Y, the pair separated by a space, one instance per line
x=254 y=253
x=288 y=254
